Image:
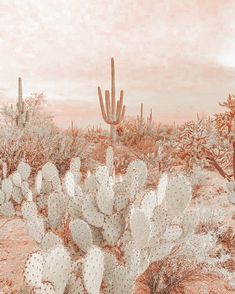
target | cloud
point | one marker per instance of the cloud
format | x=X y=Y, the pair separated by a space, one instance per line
x=171 y=55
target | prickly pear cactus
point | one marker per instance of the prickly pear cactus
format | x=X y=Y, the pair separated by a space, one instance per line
x=96 y=215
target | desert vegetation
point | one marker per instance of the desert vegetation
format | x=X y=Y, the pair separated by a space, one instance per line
x=144 y=208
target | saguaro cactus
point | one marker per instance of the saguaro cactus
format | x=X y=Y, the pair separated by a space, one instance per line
x=22 y=116
x=144 y=127
x=114 y=113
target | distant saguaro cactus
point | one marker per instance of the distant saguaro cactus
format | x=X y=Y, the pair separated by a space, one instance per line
x=22 y=116
x=144 y=127
x=114 y=113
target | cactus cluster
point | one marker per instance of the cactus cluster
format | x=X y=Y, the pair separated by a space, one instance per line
x=14 y=189
x=143 y=225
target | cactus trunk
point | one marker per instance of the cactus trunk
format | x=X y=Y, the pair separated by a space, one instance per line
x=113 y=133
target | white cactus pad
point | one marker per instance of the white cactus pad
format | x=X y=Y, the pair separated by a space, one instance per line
x=110 y=263
x=161 y=189
x=46 y=187
x=75 y=166
x=230 y=186
x=148 y=203
x=132 y=186
x=81 y=234
x=49 y=241
x=7 y=209
x=2 y=197
x=57 y=268
x=159 y=222
x=34 y=269
x=140 y=167
x=122 y=281
x=190 y=221
x=41 y=201
x=75 y=285
x=75 y=206
x=160 y=251
x=7 y=188
x=36 y=228
x=49 y=171
x=140 y=227
x=105 y=199
x=231 y=197
x=143 y=261
x=16 y=179
x=102 y=175
x=113 y=228
x=17 y=194
x=93 y=270
x=132 y=258
x=69 y=184
x=90 y=183
x=91 y=213
x=29 y=210
x=56 y=183
x=126 y=237
x=128 y=249
x=178 y=195
x=25 y=187
x=121 y=201
x=172 y=233
x=97 y=236
x=24 y=170
x=56 y=208
x=29 y=196
x=38 y=182
x=45 y=288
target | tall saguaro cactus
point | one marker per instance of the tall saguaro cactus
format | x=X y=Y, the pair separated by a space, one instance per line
x=22 y=116
x=113 y=113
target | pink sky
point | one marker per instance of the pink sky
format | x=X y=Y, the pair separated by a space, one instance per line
x=176 y=56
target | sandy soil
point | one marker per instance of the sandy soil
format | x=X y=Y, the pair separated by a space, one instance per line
x=15 y=246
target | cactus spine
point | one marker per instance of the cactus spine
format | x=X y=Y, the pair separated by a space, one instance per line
x=114 y=113
x=22 y=116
